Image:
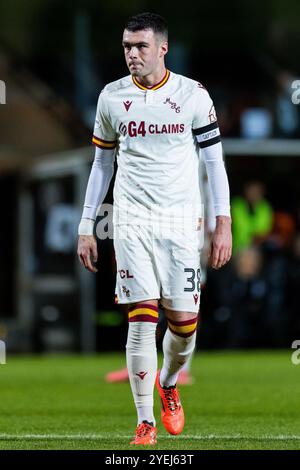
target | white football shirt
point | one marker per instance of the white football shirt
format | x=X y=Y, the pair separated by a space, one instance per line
x=157 y=132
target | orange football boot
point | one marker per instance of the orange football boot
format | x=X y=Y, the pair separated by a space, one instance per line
x=145 y=435
x=172 y=414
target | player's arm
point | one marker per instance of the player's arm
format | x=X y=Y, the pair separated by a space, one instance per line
x=209 y=215
x=101 y=174
x=98 y=184
x=208 y=137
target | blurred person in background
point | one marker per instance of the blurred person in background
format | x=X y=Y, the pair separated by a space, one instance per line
x=283 y=231
x=252 y=216
x=247 y=299
x=158 y=161
x=252 y=293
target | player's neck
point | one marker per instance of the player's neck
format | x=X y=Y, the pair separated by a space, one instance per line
x=153 y=78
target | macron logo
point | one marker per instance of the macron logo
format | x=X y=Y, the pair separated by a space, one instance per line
x=142 y=375
x=127 y=104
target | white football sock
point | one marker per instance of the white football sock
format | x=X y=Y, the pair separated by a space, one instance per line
x=145 y=413
x=177 y=350
x=187 y=365
x=141 y=359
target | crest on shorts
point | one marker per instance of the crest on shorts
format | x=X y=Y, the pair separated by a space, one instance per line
x=196 y=297
x=126 y=291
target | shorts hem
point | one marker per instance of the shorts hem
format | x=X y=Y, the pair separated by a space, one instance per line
x=136 y=299
x=191 y=310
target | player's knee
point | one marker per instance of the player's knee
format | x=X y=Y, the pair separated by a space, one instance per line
x=143 y=319
x=183 y=325
x=143 y=312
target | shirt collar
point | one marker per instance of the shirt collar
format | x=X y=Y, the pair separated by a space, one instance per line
x=153 y=87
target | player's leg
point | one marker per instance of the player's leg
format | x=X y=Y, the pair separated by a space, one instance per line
x=181 y=285
x=185 y=377
x=137 y=287
x=178 y=263
x=121 y=375
x=141 y=356
x=178 y=344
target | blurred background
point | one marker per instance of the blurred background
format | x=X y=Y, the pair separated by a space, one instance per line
x=55 y=57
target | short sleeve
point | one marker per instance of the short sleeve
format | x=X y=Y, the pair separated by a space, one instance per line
x=104 y=136
x=205 y=125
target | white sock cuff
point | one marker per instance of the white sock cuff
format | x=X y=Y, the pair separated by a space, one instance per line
x=178 y=344
x=141 y=334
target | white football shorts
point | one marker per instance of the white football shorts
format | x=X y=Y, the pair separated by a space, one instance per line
x=152 y=267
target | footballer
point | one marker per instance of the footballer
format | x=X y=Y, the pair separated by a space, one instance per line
x=156 y=124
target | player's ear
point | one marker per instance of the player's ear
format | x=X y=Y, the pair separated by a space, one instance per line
x=164 y=47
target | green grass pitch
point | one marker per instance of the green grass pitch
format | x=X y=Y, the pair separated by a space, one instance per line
x=240 y=400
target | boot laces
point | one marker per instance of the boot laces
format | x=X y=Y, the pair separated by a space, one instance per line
x=143 y=429
x=172 y=399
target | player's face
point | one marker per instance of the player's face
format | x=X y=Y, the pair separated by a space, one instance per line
x=144 y=51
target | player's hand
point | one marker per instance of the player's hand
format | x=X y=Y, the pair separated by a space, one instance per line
x=221 y=244
x=87 y=252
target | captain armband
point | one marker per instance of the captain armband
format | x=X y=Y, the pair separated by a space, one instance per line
x=208 y=135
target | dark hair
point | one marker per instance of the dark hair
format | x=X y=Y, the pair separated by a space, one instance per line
x=148 y=21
